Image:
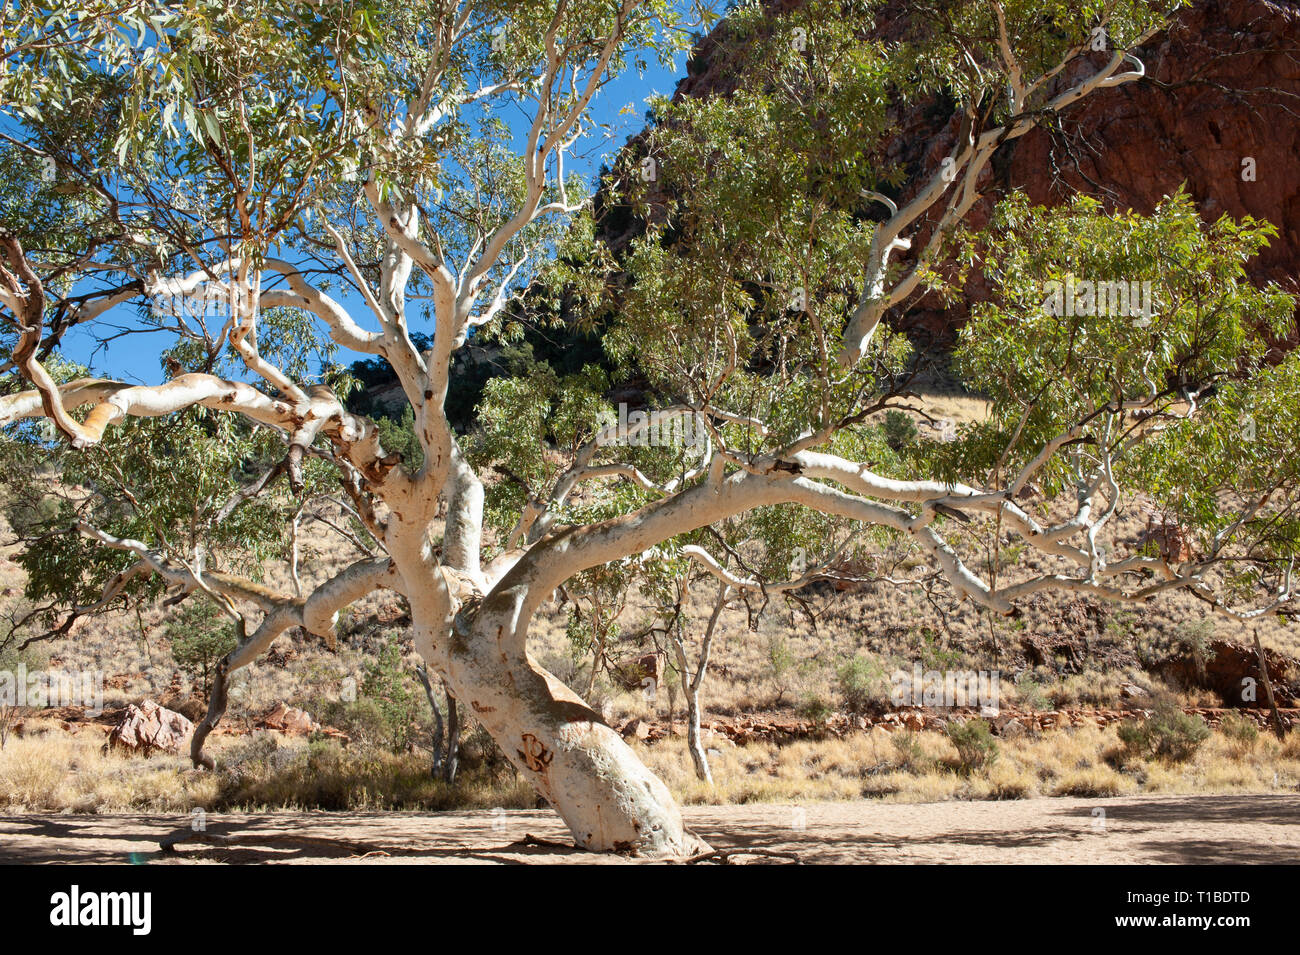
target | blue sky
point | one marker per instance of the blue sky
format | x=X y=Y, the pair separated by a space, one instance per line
x=135 y=358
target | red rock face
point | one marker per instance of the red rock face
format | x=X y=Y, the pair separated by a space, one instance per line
x=1222 y=86
x=1220 y=104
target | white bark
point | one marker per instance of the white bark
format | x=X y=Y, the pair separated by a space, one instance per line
x=581 y=766
x=692 y=680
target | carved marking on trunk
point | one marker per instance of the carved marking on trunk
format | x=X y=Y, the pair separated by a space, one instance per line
x=535 y=754
x=479 y=708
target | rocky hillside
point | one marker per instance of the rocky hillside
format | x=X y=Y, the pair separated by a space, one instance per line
x=1222 y=87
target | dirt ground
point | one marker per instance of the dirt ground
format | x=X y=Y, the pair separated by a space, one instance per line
x=1255 y=828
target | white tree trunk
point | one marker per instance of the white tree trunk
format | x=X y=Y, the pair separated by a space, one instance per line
x=607 y=797
x=698 y=756
x=691 y=683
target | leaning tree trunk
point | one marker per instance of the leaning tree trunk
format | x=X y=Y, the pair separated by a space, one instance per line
x=607 y=797
x=692 y=692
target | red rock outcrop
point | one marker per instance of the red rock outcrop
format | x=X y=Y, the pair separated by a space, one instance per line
x=288 y=719
x=1224 y=668
x=1222 y=86
x=149 y=728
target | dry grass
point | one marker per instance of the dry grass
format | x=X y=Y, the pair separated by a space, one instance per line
x=785 y=662
x=55 y=772
x=1082 y=762
x=50 y=771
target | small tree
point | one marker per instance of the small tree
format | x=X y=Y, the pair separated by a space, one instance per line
x=200 y=636
x=692 y=677
x=387 y=682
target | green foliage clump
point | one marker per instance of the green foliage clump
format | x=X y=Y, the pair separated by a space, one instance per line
x=976 y=747
x=813 y=707
x=387 y=687
x=200 y=636
x=1194 y=640
x=1168 y=733
x=900 y=430
x=29 y=517
x=177 y=473
x=399 y=436
x=1030 y=694
x=361 y=719
x=861 y=683
x=781 y=663
x=908 y=750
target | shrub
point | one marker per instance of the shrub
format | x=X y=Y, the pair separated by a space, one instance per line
x=200 y=637
x=900 y=430
x=1291 y=745
x=362 y=719
x=813 y=707
x=976 y=747
x=1194 y=640
x=781 y=665
x=1031 y=695
x=388 y=685
x=1091 y=783
x=1168 y=733
x=907 y=746
x=861 y=682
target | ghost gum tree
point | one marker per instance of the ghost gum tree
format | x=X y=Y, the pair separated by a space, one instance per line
x=336 y=174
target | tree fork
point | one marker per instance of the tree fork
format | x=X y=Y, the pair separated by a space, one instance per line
x=604 y=793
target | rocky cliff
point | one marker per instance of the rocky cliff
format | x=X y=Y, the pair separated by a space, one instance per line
x=1219 y=110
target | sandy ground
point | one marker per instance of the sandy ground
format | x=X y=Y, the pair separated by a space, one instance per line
x=1262 y=828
